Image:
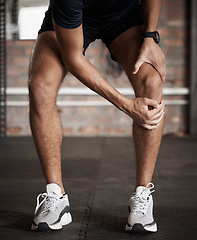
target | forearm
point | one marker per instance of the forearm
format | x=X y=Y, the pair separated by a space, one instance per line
x=151 y=11
x=82 y=69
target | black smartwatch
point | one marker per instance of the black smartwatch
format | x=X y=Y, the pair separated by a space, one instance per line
x=154 y=35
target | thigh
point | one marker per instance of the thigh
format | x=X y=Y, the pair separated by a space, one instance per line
x=126 y=49
x=46 y=67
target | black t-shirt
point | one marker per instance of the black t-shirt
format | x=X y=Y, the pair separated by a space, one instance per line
x=71 y=13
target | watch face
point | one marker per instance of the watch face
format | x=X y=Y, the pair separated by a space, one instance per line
x=157 y=37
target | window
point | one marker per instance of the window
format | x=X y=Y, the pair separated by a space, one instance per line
x=30 y=20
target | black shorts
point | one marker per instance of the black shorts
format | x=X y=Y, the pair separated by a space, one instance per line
x=106 y=32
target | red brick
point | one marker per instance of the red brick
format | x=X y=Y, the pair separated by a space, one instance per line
x=14 y=71
x=102 y=119
x=13 y=130
x=165 y=32
x=68 y=131
x=8 y=61
x=21 y=61
x=28 y=51
x=24 y=43
x=176 y=23
x=89 y=130
x=114 y=130
x=170 y=71
x=171 y=4
x=14 y=51
x=174 y=42
x=180 y=70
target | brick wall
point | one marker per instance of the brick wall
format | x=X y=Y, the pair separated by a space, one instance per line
x=107 y=120
x=175 y=31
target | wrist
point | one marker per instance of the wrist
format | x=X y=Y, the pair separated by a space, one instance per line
x=150 y=29
x=151 y=35
x=127 y=106
x=147 y=40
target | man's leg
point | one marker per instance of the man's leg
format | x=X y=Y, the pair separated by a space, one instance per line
x=146 y=83
x=45 y=76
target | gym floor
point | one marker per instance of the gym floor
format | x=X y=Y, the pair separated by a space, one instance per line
x=99 y=176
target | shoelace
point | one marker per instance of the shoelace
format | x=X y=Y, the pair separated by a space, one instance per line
x=141 y=202
x=49 y=202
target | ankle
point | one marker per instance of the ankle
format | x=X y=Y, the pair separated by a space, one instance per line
x=142 y=184
x=60 y=185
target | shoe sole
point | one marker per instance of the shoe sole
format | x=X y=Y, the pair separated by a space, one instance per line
x=45 y=227
x=139 y=228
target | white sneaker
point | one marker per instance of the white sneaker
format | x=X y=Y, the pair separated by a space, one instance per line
x=52 y=212
x=141 y=210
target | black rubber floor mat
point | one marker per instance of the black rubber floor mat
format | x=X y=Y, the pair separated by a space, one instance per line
x=99 y=176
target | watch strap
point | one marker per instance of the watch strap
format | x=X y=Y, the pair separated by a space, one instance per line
x=154 y=35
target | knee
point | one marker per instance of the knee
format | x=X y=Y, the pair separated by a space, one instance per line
x=41 y=91
x=152 y=87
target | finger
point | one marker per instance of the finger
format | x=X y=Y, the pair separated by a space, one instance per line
x=152 y=103
x=156 y=112
x=137 y=65
x=149 y=127
x=159 y=120
x=156 y=121
x=157 y=116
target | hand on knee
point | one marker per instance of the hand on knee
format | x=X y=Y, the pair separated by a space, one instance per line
x=147 y=112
